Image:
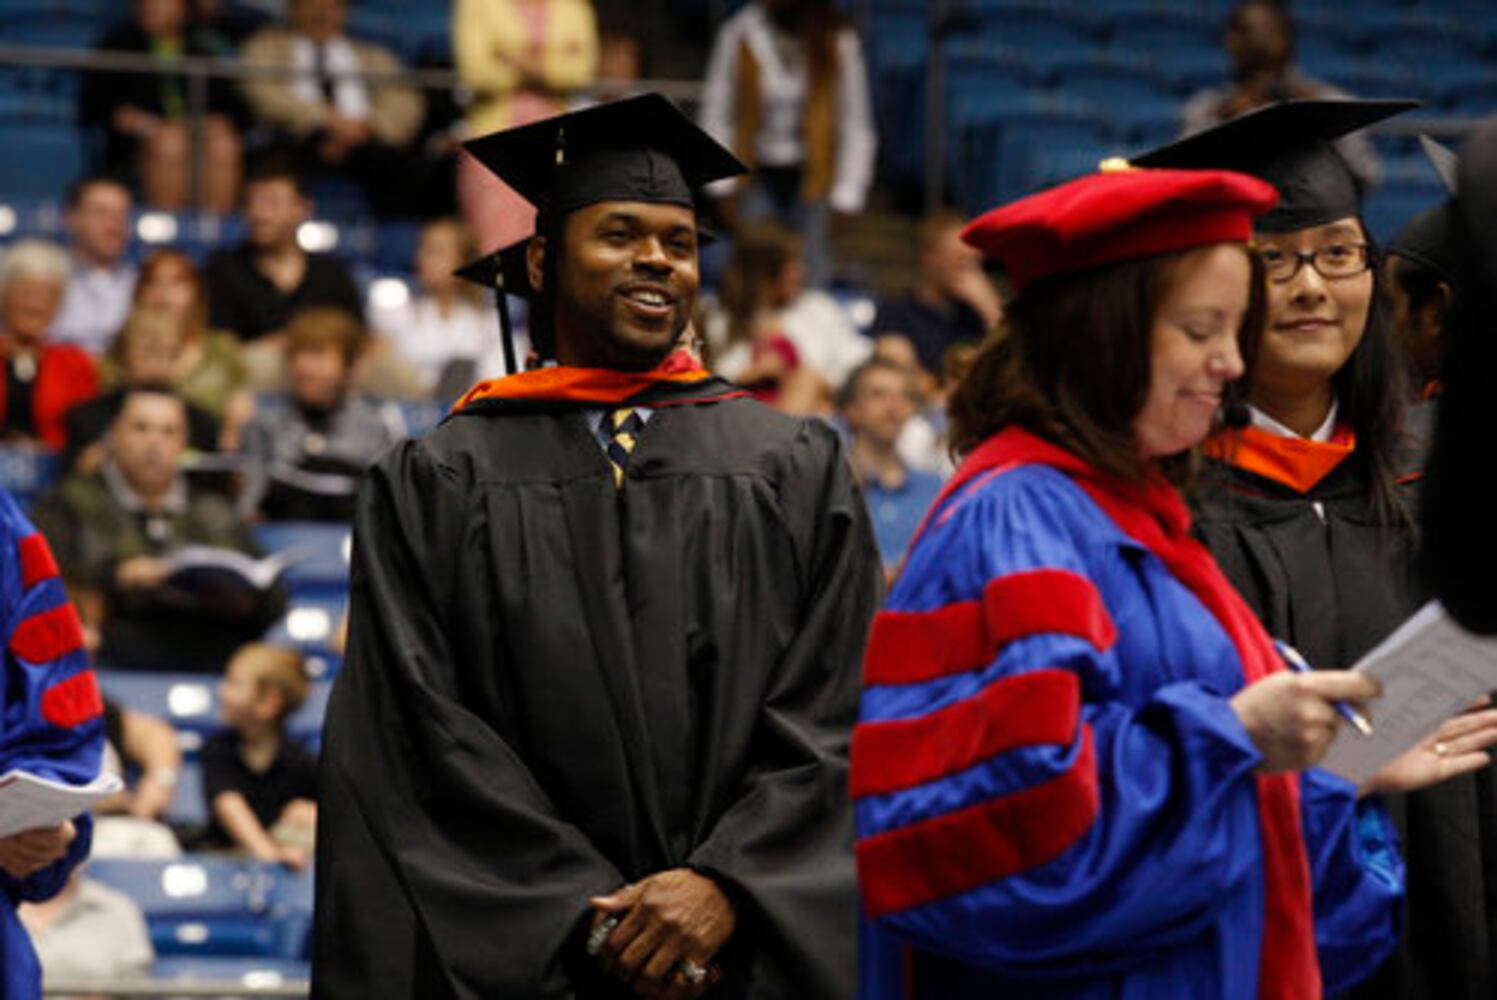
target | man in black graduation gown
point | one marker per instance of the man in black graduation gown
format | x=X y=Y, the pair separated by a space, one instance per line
x=605 y=637
x=1460 y=531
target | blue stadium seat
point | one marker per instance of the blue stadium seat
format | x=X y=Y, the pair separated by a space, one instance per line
x=993 y=135
x=1165 y=36
x=1391 y=206
x=190 y=702
x=27 y=472
x=243 y=973
x=1052 y=165
x=59 y=29
x=319 y=554
x=1035 y=27
x=310 y=624
x=53 y=157
x=200 y=905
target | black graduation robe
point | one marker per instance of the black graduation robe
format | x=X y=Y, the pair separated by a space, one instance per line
x=1459 y=529
x=1333 y=586
x=554 y=687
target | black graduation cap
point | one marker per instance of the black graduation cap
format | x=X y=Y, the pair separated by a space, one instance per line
x=638 y=149
x=505 y=272
x=1289 y=145
x=1429 y=239
x=1445 y=161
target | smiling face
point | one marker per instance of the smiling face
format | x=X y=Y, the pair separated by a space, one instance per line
x=1314 y=323
x=30 y=306
x=626 y=285
x=1194 y=349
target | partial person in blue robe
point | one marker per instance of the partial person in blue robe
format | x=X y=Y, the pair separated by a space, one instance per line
x=51 y=725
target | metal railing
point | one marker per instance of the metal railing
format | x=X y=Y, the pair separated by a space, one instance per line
x=199 y=71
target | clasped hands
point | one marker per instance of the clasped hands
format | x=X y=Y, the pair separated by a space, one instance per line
x=665 y=926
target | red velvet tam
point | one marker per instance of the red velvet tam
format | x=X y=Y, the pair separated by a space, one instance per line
x=1119 y=215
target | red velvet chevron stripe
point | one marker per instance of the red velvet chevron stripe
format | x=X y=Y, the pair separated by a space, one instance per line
x=48 y=635
x=73 y=701
x=1154 y=515
x=36 y=560
x=1043 y=706
x=908 y=647
x=958 y=851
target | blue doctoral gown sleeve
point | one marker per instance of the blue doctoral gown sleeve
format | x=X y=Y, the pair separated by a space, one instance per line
x=1032 y=793
x=1358 y=875
x=50 y=722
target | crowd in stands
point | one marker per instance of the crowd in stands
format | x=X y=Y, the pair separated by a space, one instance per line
x=184 y=400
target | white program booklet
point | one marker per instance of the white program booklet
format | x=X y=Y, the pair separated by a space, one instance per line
x=1431 y=669
x=29 y=802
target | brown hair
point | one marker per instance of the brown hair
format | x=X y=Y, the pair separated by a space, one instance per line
x=760 y=252
x=325 y=326
x=197 y=315
x=276 y=668
x=1072 y=362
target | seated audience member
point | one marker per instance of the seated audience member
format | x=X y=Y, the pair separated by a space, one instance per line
x=953 y=302
x=1260 y=45
x=145 y=756
x=877 y=403
x=102 y=278
x=144 y=116
x=90 y=932
x=42 y=380
x=254 y=288
x=519 y=62
x=149 y=349
x=331 y=118
x=1419 y=272
x=304 y=460
x=259 y=784
x=115 y=532
x=786 y=89
x=749 y=343
x=446 y=329
x=209 y=373
x=768 y=262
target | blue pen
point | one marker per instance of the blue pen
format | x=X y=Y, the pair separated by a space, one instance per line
x=1298 y=665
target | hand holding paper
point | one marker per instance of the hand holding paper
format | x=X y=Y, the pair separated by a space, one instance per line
x=1431 y=671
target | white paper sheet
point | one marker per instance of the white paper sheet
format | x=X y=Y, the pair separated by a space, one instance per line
x=28 y=802
x=1430 y=669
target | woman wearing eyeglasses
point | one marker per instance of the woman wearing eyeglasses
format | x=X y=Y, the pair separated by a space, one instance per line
x=1309 y=508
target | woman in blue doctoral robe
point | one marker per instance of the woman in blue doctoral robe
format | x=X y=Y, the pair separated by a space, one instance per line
x=1082 y=768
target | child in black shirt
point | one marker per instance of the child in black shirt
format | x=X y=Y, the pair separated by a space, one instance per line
x=261 y=787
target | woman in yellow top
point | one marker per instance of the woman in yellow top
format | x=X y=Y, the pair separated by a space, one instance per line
x=522 y=60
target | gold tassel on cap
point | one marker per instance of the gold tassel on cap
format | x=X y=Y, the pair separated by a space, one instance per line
x=1115 y=165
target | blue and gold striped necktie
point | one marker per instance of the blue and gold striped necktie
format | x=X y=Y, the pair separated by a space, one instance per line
x=624 y=427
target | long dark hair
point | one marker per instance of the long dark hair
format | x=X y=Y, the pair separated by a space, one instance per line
x=1372 y=396
x=1072 y=363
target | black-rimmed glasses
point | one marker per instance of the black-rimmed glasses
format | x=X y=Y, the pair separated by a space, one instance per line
x=1333 y=261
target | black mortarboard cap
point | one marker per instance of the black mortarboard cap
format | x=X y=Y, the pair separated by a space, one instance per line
x=1429 y=239
x=637 y=149
x=1445 y=161
x=506 y=272
x=1288 y=144
x=504 y=269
